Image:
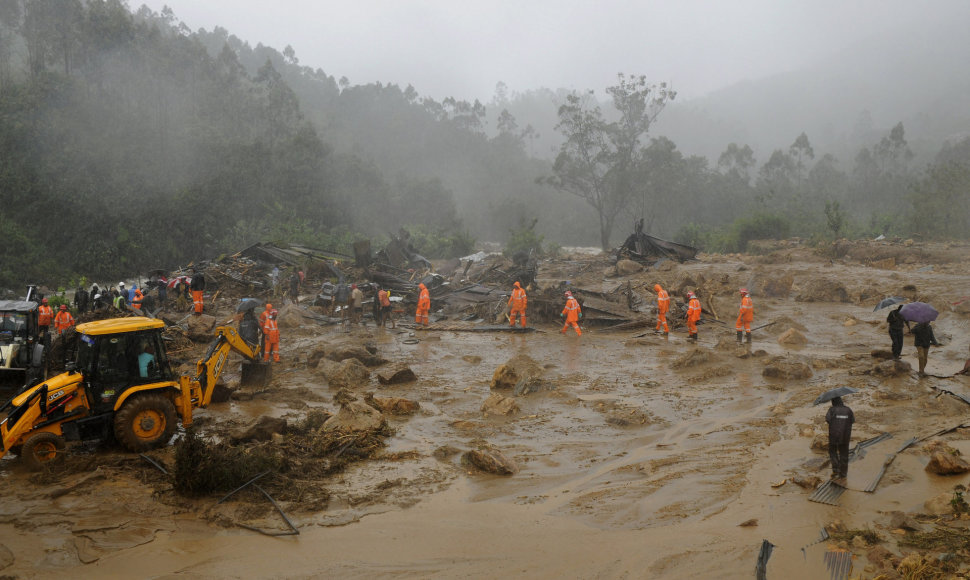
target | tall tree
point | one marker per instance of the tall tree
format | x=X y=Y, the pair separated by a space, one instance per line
x=599 y=160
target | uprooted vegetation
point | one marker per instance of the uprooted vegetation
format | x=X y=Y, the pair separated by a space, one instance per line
x=296 y=460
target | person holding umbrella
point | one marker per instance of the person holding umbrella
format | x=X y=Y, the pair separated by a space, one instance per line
x=896 y=324
x=922 y=338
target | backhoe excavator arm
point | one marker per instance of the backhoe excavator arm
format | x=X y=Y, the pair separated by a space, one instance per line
x=210 y=367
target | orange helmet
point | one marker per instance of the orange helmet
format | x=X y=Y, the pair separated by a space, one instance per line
x=269 y=306
x=657 y=288
x=743 y=291
x=569 y=294
x=63 y=307
x=43 y=301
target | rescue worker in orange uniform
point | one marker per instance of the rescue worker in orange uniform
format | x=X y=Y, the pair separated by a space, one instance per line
x=572 y=313
x=45 y=316
x=136 y=302
x=63 y=320
x=271 y=334
x=745 y=315
x=663 y=305
x=263 y=317
x=197 y=286
x=517 y=303
x=424 y=305
x=693 y=315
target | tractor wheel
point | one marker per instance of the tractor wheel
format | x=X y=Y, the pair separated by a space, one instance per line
x=41 y=449
x=145 y=422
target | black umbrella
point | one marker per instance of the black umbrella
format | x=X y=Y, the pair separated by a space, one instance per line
x=248 y=304
x=886 y=302
x=829 y=395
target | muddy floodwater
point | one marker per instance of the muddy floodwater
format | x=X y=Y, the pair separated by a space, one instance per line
x=640 y=457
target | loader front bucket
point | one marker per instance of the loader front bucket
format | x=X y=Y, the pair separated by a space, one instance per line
x=255 y=374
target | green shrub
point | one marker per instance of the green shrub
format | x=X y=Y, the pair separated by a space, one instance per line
x=523 y=239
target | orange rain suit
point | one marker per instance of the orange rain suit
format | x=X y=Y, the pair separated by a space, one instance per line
x=745 y=315
x=572 y=312
x=693 y=315
x=45 y=315
x=663 y=305
x=271 y=332
x=197 y=301
x=424 y=305
x=517 y=304
x=136 y=303
x=63 y=321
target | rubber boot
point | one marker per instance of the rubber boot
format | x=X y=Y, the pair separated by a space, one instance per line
x=739 y=336
x=747 y=337
x=693 y=337
x=666 y=335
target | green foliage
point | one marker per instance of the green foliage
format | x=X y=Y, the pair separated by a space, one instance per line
x=834 y=217
x=435 y=243
x=523 y=239
x=760 y=226
x=958 y=502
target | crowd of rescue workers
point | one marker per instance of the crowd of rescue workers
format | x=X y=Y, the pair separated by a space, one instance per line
x=187 y=290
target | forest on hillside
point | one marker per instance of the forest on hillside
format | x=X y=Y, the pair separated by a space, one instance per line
x=128 y=142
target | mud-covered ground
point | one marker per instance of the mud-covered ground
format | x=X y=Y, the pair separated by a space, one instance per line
x=638 y=457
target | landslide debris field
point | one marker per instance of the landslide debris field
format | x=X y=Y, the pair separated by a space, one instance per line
x=442 y=453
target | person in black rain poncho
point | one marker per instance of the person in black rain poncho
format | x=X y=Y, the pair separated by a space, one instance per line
x=840 y=419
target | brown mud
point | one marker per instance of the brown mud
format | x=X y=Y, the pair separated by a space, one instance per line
x=637 y=457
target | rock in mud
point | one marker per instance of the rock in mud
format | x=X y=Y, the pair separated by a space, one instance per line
x=359 y=352
x=289 y=316
x=517 y=368
x=445 y=451
x=945 y=460
x=783 y=368
x=940 y=505
x=6 y=557
x=200 y=327
x=472 y=359
x=497 y=404
x=355 y=416
x=260 y=430
x=627 y=268
x=489 y=461
x=395 y=405
x=899 y=520
x=396 y=376
x=881 y=354
x=881 y=558
x=823 y=290
x=691 y=359
x=348 y=374
x=792 y=337
x=891 y=368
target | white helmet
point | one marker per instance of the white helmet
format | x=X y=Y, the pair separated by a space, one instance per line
x=121 y=283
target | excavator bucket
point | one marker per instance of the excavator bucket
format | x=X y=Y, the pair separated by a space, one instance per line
x=255 y=374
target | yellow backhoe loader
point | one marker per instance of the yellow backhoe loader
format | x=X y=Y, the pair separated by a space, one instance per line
x=121 y=384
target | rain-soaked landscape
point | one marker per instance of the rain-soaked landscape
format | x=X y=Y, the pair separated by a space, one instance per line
x=632 y=455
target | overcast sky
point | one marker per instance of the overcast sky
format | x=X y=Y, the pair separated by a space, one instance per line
x=462 y=48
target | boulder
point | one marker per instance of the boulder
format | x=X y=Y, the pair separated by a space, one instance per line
x=823 y=290
x=348 y=374
x=261 y=429
x=947 y=461
x=497 y=404
x=445 y=452
x=881 y=354
x=940 y=505
x=342 y=352
x=289 y=316
x=782 y=368
x=691 y=359
x=355 y=416
x=900 y=521
x=792 y=337
x=395 y=405
x=627 y=267
x=891 y=368
x=472 y=359
x=201 y=327
x=490 y=461
x=396 y=375
x=521 y=367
